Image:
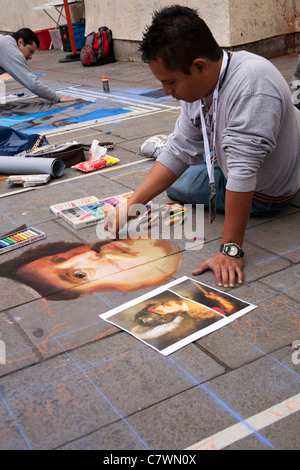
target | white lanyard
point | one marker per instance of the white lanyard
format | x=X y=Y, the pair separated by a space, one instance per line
x=209 y=160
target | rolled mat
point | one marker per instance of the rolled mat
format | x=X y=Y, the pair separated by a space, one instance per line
x=31 y=166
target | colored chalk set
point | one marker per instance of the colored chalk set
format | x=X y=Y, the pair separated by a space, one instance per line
x=20 y=238
x=87 y=211
x=172 y=213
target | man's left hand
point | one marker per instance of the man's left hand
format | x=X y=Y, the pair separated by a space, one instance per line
x=225 y=268
x=67 y=98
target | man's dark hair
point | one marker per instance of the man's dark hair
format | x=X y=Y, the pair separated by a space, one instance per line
x=10 y=267
x=27 y=35
x=178 y=36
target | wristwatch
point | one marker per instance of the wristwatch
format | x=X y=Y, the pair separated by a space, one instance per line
x=232 y=249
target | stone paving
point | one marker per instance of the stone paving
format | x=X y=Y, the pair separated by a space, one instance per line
x=72 y=381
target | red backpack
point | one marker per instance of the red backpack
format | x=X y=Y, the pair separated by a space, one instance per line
x=98 y=48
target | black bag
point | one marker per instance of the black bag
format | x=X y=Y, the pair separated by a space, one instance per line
x=98 y=48
x=70 y=156
x=75 y=153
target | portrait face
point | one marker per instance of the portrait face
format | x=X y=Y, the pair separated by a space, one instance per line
x=170 y=306
x=183 y=87
x=27 y=50
x=123 y=265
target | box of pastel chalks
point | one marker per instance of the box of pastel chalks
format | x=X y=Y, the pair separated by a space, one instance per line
x=88 y=210
x=20 y=238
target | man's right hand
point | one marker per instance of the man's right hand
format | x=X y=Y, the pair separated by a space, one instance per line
x=115 y=219
x=158 y=180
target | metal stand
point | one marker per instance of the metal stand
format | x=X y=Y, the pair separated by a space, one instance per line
x=75 y=55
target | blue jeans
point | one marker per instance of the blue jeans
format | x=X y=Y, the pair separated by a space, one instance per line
x=193 y=188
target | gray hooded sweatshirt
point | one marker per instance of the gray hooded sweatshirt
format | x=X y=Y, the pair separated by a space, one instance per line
x=13 y=62
x=258 y=130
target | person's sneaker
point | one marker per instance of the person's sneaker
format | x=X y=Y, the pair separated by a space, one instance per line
x=153 y=146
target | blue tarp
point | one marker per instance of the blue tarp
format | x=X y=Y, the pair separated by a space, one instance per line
x=13 y=142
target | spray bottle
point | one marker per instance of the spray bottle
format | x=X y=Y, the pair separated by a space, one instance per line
x=105 y=84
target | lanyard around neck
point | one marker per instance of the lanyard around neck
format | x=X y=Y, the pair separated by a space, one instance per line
x=209 y=160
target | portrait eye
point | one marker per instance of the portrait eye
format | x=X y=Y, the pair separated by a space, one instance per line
x=80 y=274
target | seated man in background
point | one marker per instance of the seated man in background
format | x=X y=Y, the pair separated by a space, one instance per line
x=15 y=50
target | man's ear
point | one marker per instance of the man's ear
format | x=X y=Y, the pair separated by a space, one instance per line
x=20 y=42
x=200 y=65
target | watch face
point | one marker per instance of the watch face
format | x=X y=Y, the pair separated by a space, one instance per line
x=232 y=250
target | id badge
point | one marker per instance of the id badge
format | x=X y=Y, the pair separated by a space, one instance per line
x=212 y=204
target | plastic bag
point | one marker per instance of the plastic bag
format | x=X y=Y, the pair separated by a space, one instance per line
x=93 y=165
x=97 y=151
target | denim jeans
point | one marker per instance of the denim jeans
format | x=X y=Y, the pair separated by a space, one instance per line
x=193 y=188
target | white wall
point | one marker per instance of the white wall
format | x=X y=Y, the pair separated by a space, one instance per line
x=127 y=18
x=21 y=13
x=233 y=22
x=253 y=20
